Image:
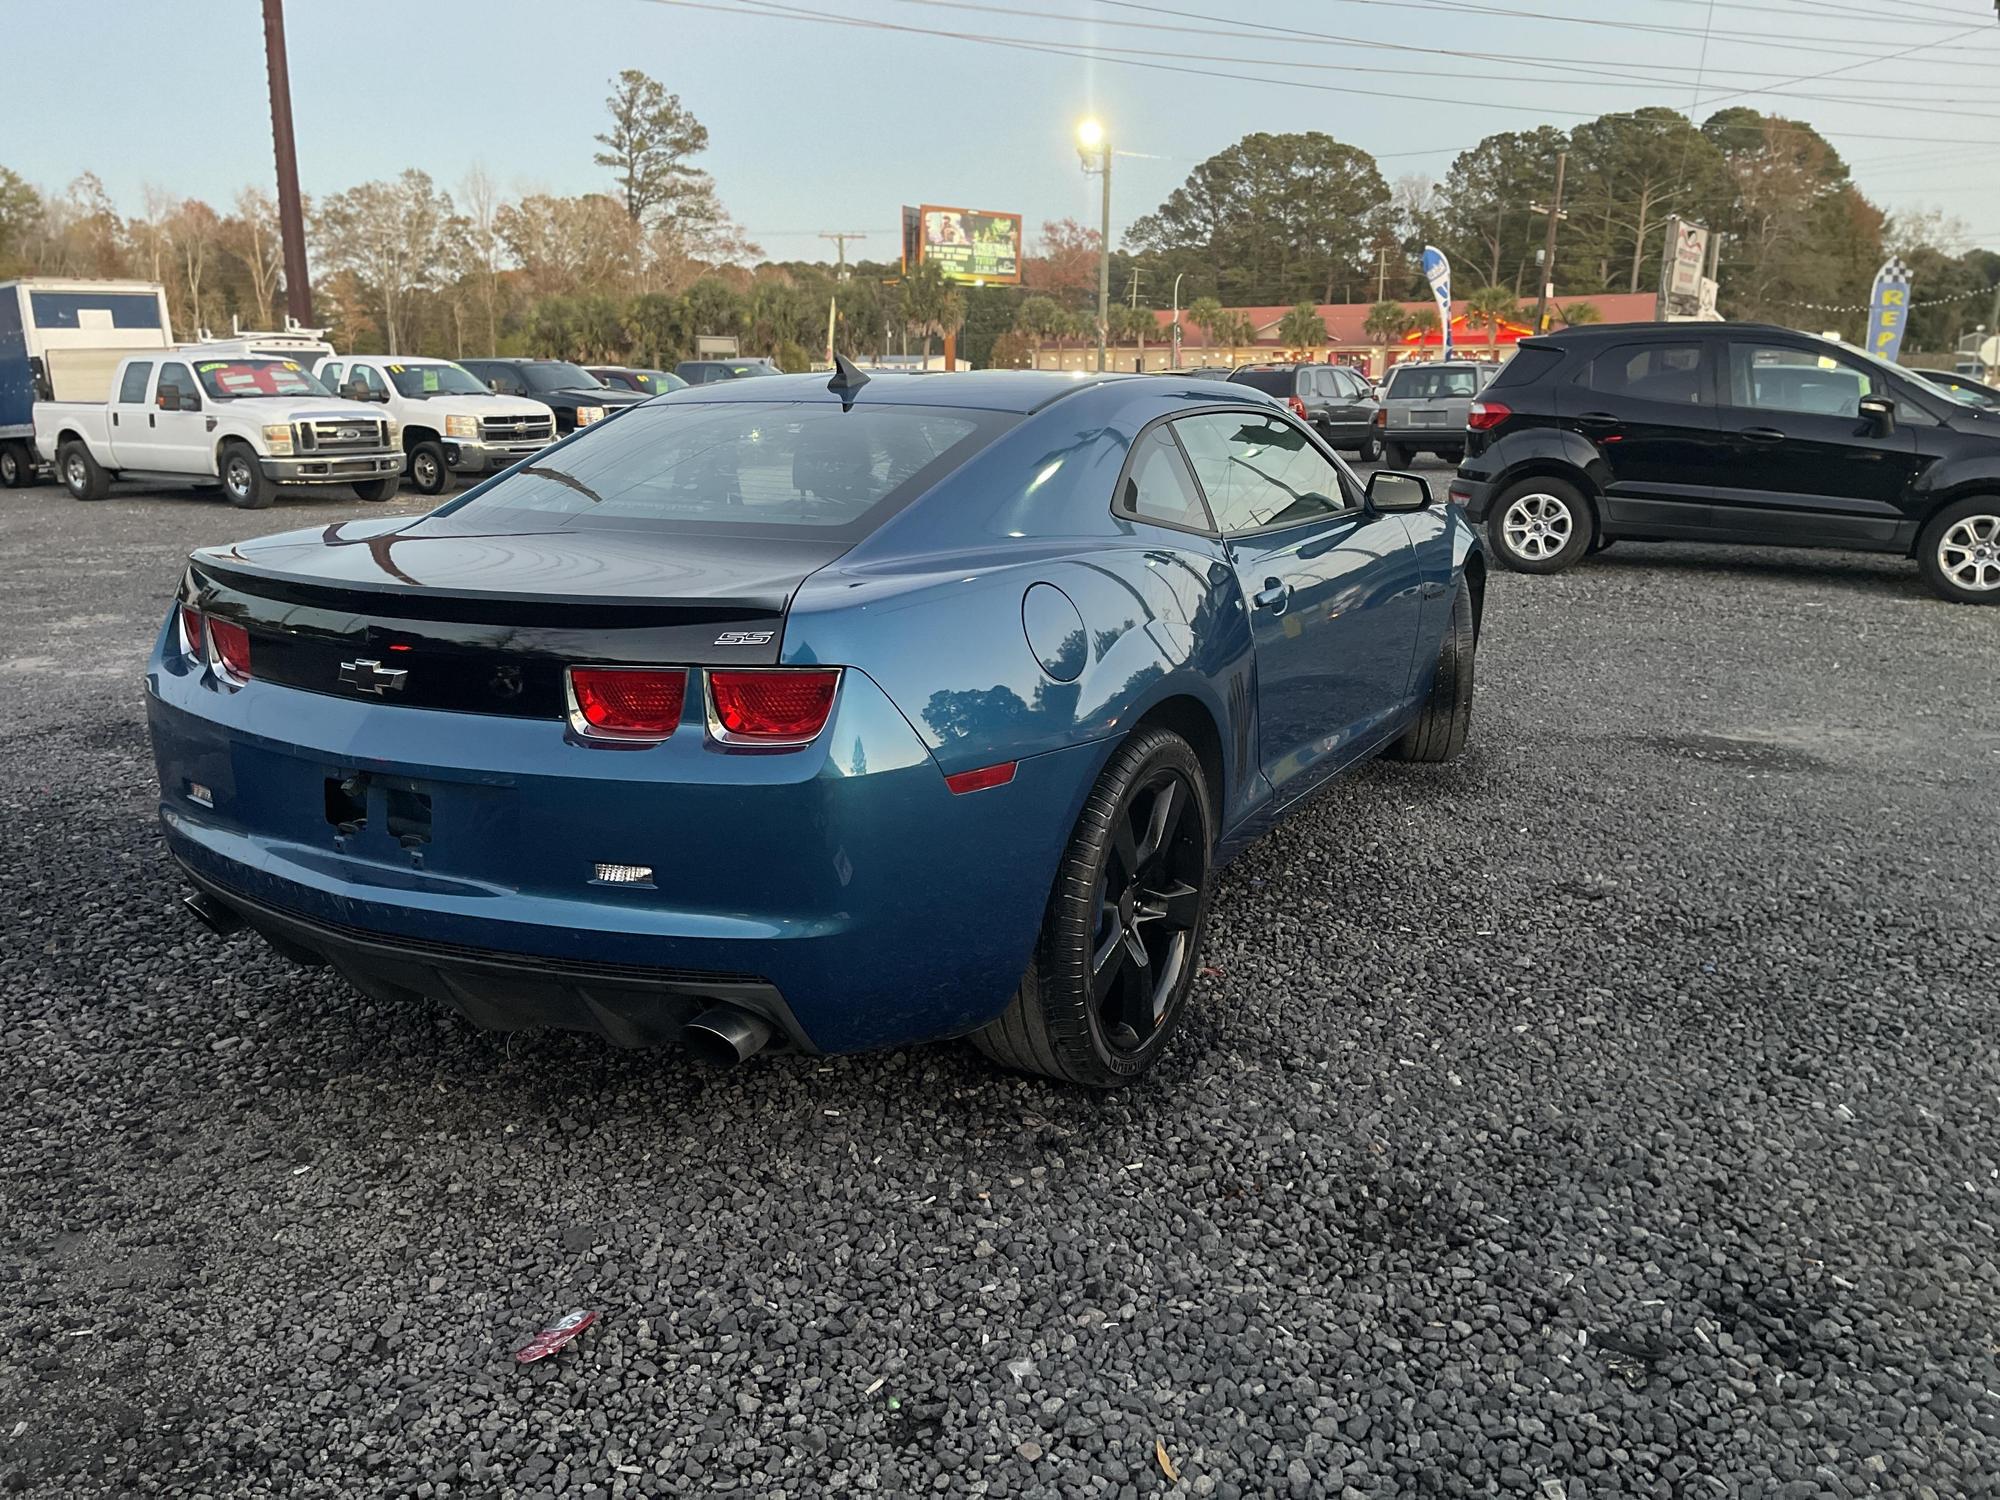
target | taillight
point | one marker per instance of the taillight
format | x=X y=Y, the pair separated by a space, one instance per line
x=1381 y=417
x=1298 y=407
x=981 y=779
x=193 y=643
x=1485 y=414
x=626 y=703
x=229 y=649
x=781 y=706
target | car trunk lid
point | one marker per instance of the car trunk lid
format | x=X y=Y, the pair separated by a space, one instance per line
x=487 y=623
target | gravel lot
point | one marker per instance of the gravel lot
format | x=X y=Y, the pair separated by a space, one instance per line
x=1612 y=1112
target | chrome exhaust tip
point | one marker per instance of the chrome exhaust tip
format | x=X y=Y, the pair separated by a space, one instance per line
x=723 y=1036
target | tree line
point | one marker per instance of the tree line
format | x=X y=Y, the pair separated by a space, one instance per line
x=637 y=271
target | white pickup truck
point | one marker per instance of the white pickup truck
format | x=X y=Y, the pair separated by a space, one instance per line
x=452 y=424
x=191 y=416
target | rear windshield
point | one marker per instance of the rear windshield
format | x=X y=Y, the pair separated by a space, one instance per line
x=1270 y=382
x=1431 y=383
x=740 y=468
x=1529 y=363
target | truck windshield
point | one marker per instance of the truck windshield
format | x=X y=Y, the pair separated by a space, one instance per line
x=420 y=381
x=554 y=375
x=243 y=379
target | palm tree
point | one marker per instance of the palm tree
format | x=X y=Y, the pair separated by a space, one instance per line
x=1386 y=322
x=931 y=305
x=1039 y=319
x=1576 y=313
x=1206 y=314
x=1302 y=328
x=1489 y=307
x=1424 y=321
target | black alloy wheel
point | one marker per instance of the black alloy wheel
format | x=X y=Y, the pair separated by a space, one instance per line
x=1120 y=943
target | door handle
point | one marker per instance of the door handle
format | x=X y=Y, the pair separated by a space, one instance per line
x=1274 y=596
x=1762 y=434
x=152 y=419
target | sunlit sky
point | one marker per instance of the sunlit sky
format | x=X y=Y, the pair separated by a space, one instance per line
x=821 y=126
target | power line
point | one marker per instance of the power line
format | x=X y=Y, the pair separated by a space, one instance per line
x=768 y=9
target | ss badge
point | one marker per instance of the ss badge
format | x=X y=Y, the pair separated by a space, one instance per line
x=745 y=638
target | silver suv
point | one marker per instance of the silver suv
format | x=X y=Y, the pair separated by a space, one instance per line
x=1425 y=407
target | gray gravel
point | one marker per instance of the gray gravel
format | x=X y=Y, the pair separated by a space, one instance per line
x=1609 y=1113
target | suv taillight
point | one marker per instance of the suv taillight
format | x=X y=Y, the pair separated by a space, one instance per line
x=1485 y=414
x=1381 y=417
x=194 y=641
x=1298 y=407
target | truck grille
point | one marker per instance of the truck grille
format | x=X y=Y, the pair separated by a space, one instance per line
x=340 y=435
x=517 y=429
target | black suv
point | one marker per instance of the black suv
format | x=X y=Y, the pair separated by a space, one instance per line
x=576 y=396
x=1335 y=399
x=708 y=371
x=1730 y=432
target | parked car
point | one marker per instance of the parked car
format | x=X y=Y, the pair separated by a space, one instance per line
x=251 y=424
x=1974 y=392
x=708 y=371
x=813 y=718
x=576 y=396
x=1333 y=398
x=1423 y=408
x=452 y=423
x=645 y=382
x=1731 y=432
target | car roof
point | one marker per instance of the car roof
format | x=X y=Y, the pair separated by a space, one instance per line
x=992 y=390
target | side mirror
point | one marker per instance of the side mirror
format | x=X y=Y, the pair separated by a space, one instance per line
x=1390 y=491
x=167 y=398
x=354 y=390
x=190 y=400
x=494 y=387
x=1879 y=412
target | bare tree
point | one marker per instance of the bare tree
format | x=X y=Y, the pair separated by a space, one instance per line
x=252 y=237
x=391 y=235
x=481 y=250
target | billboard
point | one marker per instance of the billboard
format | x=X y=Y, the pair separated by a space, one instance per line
x=968 y=244
x=1682 y=266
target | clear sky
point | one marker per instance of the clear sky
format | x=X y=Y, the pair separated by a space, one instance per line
x=823 y=127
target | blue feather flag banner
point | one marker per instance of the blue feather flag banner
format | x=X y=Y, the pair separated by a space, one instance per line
x=1889 y=309
x=1437 y=271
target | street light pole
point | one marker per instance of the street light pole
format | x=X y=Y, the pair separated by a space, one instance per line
x=1556 y=216
x=1093 y=140
x=1177 y=310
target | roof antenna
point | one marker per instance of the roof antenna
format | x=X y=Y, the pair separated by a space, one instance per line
x=848 y=377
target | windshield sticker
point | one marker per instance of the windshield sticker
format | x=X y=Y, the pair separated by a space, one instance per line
x=430 y=380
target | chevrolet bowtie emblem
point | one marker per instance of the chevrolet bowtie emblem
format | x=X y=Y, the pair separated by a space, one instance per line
x=372 y=677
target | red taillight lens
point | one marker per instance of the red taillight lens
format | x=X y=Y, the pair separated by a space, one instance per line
x=627 y=702
x=1485 y=414
x=1298 y=407
x=231 y=643
x=772 y=708
x=1381 y=417
x=193 y=642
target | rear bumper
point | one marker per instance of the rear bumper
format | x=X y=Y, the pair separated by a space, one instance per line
x=332 y=470
x=841 y=890
x=1476 y=495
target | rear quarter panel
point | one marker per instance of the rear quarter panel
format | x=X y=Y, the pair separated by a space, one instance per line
x=57 y=421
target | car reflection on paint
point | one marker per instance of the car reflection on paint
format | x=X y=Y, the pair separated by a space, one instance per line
x=812 y=714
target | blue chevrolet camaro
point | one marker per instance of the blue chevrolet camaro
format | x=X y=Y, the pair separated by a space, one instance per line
x=809 y=713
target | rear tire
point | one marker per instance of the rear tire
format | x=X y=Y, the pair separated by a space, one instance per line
x=1959 y=552
x=1541 y=526
x=1132 y=885
x=17 y=469
x=243 y=479
x=1368 y=452
x=375 y=491
x=1440 y=731
x=80 y=473
x=429 y=474
x=1396 y=456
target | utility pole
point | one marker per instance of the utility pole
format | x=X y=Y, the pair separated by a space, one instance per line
x=840 y=239
x=1093 y=140
x=291 y=216
x=1381 y=273
x=1138 y=329
x=1556 y=215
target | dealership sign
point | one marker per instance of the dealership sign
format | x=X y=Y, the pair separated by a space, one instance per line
x=1889 y=309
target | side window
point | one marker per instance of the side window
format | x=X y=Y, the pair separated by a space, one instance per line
x=1158 y=486
x=132 y=389
x=329 y=375
x=1774 y=377
x=178 y=377
x=366 y=377
x=1651 y=372
x=1259 y=471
